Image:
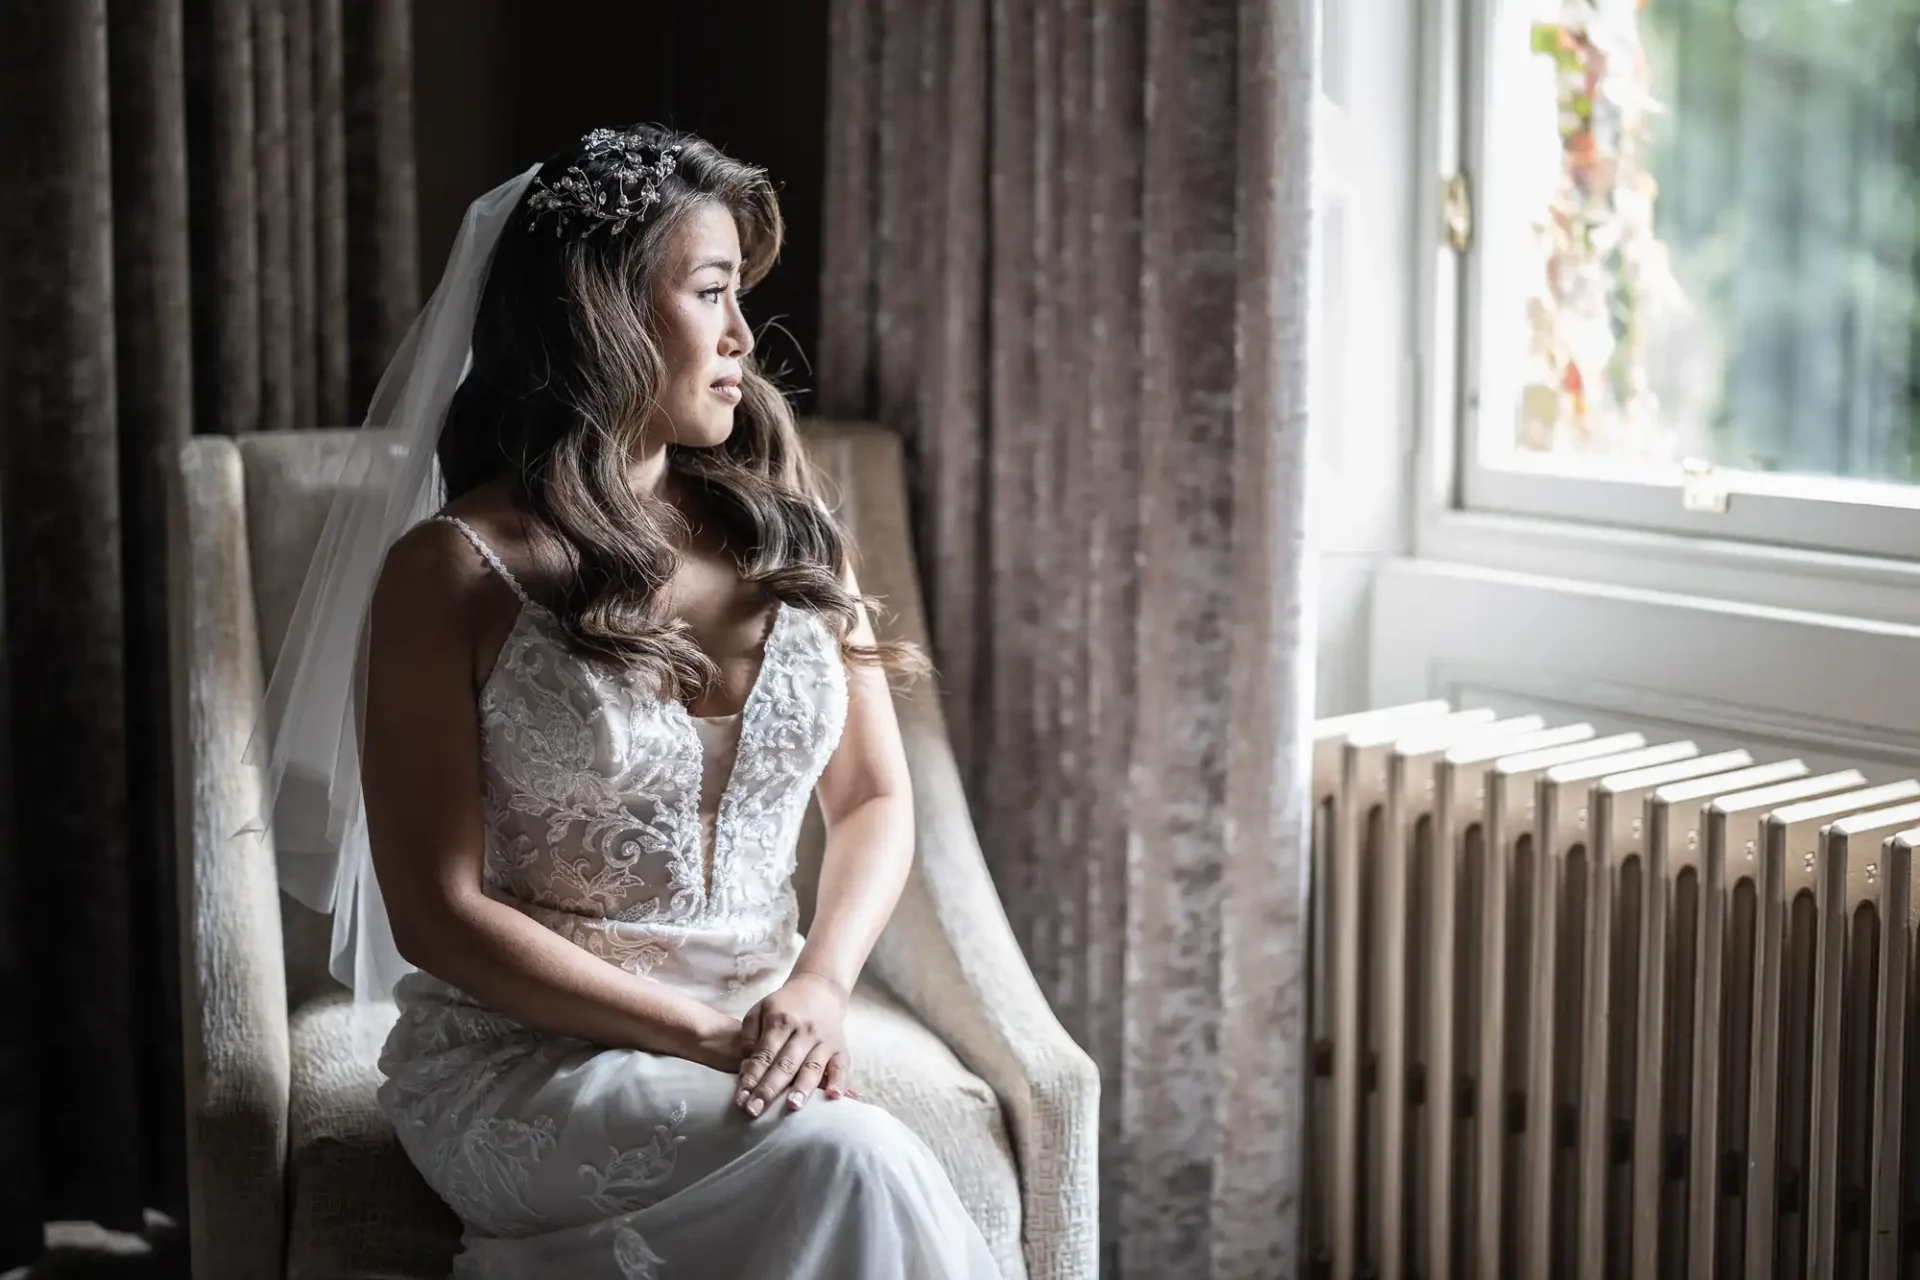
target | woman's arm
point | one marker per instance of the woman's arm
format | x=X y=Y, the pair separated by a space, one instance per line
x=422 y=779
x=795 y=1037
x=866 y=799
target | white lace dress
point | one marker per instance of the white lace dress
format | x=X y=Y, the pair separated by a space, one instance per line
x=564 y=1158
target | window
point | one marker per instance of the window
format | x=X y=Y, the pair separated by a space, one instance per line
x=1691 y=275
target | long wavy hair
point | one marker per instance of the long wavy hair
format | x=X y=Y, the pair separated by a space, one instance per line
x=566 y=373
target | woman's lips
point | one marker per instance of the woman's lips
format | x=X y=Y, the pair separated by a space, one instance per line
x=727 y=389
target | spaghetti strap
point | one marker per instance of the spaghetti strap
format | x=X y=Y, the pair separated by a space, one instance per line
x=487 y=553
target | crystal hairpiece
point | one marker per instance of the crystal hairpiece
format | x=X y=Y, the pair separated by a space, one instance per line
x=616 y=181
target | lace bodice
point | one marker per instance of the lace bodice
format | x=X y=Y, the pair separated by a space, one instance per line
x=592 y=792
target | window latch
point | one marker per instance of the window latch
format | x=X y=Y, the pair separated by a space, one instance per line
x=1456 y=212
x=1702 y=488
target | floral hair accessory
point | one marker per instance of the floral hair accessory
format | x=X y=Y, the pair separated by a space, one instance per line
x=616 y=181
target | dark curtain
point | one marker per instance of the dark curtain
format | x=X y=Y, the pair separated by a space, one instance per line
x=1067 y=257
x=208 y=226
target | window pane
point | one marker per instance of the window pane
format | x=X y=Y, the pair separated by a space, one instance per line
x=1700 y=233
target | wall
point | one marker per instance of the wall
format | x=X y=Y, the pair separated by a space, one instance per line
x=1363 y=445
x=499 y=85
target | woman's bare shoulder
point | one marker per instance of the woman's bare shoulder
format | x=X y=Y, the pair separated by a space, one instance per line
x=431 y=568
x=436 y=566
x=490 y=514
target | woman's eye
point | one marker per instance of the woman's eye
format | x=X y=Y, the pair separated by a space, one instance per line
x=713 y=294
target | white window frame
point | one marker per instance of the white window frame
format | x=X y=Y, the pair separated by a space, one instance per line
x=1841 y=547
x=1547 y=607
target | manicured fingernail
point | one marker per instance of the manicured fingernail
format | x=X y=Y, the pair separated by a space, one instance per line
x=795 y=1099
x=832 y=1092
x=740 y=1098
x=755 y=1107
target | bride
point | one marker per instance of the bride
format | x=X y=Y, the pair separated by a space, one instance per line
x=595 y=691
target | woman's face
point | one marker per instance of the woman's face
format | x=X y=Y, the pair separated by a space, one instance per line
x=702 y=336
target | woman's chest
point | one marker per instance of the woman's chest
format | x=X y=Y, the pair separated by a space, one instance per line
x=594 y=785
x=729 y=620
x=568 y=731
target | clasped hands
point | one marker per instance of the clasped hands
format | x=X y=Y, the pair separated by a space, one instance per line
x=789 y=1044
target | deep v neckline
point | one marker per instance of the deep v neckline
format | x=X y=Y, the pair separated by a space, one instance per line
x=692 y=747
x=722 y=853
x=691 y=744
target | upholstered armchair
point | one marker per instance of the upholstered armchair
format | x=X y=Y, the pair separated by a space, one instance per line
x=293 y=1171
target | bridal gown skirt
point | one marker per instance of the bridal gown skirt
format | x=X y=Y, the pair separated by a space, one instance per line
x=569 y=1160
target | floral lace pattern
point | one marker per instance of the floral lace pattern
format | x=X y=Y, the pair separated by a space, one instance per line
x=633 y=1256
x=485 y=1169
x=621 y=1182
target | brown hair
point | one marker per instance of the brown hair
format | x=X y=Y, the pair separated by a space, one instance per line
x=565 y=374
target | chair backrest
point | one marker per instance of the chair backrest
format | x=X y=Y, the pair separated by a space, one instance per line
x=292 y=477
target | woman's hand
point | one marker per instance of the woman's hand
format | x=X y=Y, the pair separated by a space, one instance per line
x=717 y=1043
x=795 y=1042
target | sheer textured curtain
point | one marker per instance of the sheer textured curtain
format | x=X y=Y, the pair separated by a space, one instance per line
x=1067 y=257
x=208 y=225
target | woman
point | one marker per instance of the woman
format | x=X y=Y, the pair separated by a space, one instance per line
x=600 y=686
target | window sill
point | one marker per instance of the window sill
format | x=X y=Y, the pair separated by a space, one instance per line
x=1735 y=573
x=1779 y=678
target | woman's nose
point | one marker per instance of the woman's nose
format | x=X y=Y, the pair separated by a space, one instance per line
x=739 y=337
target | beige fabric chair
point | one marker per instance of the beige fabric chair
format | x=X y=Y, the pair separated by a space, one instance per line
x=294 y=1172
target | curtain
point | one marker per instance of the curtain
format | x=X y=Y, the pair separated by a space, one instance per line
x=1067 y=257
x=209 y=226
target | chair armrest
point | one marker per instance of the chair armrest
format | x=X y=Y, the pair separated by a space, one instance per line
x=948 y=953
x=233 y=978
x=950 y=956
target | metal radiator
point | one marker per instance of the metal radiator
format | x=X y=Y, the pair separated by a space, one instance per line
x=1589 y=1006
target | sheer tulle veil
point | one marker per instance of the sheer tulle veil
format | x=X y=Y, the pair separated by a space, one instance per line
x=307 y=741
